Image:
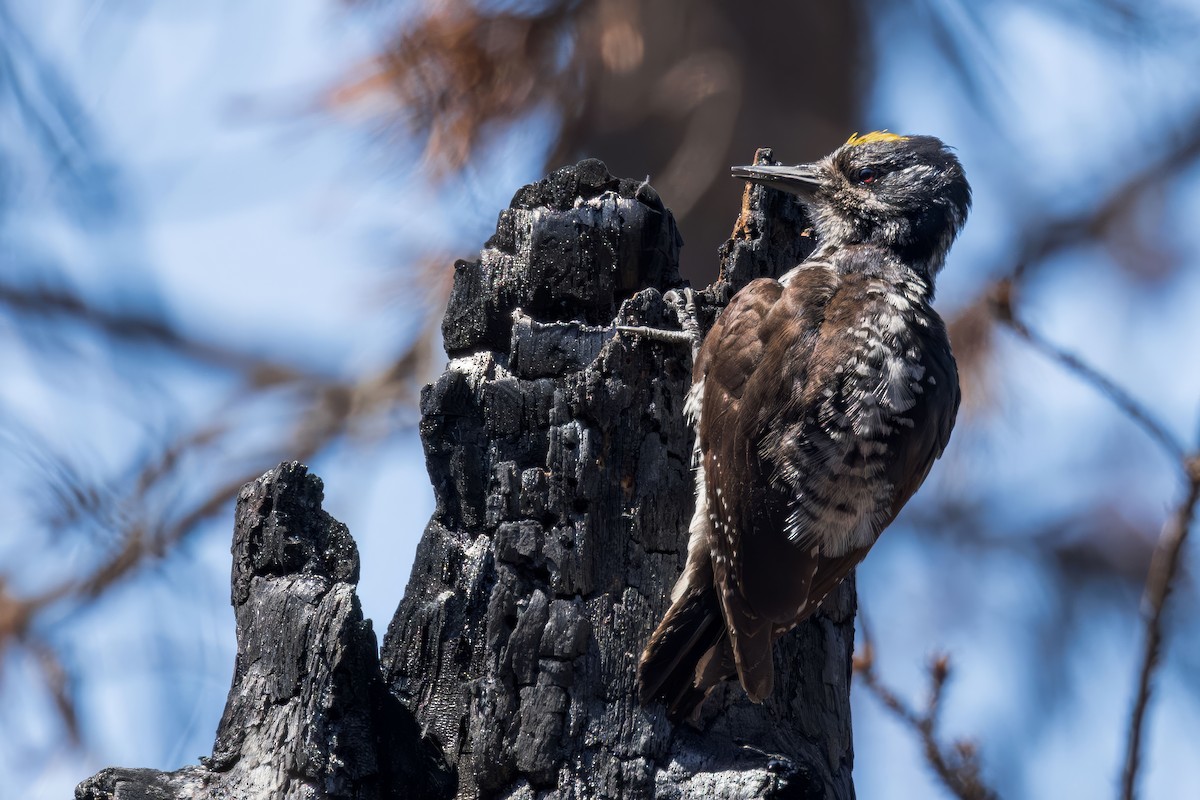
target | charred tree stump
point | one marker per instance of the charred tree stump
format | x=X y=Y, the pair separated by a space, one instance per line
x=308 y=715
x=560 y=460
x=561 y=463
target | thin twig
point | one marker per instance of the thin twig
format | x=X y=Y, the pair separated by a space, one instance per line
x=51 y=307
x=1002 y=296
x=957 y=766
x=1168 y=555
x=1168 y=552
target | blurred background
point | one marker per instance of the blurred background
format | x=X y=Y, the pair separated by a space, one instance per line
x=226 y=234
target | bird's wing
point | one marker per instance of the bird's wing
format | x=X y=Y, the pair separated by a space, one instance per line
x=754 y=357
x=933 y=415
x=911 y=449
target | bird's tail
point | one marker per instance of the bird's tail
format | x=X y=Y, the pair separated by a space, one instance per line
x=685 y=653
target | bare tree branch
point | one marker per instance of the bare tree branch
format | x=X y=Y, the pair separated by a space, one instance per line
x=1168 y=554
x=1003 y=309
x=53 y=305
x=957 y=765
x=1163 y=570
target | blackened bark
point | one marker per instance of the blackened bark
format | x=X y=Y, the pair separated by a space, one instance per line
x=308 y=715
x=561 y=463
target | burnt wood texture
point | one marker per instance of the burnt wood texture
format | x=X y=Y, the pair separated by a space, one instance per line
x=560 y=460
x=308 y=715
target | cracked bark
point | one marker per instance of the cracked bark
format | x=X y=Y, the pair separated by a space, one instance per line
x=560 y=462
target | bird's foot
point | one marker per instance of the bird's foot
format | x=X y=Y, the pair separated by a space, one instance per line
x=689 y=334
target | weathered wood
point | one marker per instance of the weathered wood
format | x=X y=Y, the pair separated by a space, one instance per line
x=561 y=464
x=308 y=715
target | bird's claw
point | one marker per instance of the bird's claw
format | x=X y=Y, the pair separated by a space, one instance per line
x=684 y=301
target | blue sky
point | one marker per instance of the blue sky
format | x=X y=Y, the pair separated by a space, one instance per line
x=1072 y=114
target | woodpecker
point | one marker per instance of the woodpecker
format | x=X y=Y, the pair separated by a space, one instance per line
x=820 y=402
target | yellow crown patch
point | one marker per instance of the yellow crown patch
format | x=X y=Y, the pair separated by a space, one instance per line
x=874 y=136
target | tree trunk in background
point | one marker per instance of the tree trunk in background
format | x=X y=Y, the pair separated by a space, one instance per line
x=711 y=80
x=561 y=464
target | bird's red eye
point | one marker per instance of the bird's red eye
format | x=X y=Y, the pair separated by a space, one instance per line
x=867 y=175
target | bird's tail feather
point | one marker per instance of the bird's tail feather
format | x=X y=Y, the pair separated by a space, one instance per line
x=692 y=627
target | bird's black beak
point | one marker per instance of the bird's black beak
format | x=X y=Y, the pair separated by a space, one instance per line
x=803 y=180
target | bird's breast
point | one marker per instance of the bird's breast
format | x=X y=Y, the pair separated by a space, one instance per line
x=865 y=382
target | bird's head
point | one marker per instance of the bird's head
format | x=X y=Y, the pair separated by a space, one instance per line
x=905 y=193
